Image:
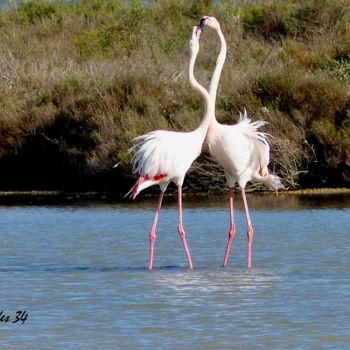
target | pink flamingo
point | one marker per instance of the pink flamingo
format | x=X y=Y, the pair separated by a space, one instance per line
x=163 y=156
x=240 y=149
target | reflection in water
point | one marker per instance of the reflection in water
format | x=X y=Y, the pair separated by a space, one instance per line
x=265 y=201
x=80 y=271
x=225 y=281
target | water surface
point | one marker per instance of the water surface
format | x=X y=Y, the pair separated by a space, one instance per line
x=79 y=270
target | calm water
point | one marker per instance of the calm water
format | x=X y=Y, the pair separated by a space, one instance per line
x=80 y=273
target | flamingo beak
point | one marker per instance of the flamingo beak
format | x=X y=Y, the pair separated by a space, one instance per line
x=196 y=32
x=201 y=23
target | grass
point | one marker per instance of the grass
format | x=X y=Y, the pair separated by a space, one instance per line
x=79 y=81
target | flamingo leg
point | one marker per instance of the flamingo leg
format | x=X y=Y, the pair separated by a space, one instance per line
x=232 y=230
x=181 y=229
x=152 y=235
x=250 y=231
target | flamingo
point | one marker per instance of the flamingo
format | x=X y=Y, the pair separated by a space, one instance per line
x=240 y=149
x=161 y=156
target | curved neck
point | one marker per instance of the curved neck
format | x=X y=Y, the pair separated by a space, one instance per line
x=203 y=127
x=218 y=69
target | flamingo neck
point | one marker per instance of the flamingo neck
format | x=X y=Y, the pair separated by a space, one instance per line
x=217 y=73
x=203 y=127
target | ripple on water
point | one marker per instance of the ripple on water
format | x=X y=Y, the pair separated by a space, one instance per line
x=81 y=273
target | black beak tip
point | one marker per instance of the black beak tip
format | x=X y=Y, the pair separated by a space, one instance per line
x=201 y=23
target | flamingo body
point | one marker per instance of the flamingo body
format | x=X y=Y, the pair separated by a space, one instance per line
x=241 y=149
x=162 y=156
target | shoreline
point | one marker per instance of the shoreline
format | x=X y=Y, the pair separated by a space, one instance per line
x=110 y=194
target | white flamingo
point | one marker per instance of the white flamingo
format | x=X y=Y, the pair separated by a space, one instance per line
x=241 y=149
x=163 y=156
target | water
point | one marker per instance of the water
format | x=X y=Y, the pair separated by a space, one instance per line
x=80 y=272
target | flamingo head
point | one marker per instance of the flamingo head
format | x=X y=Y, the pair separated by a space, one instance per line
x=211 y=22
x=194 y=43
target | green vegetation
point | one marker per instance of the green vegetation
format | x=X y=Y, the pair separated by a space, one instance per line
x=79 y=81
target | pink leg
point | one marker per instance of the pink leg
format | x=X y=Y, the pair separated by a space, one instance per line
x=250 y=231
x=181 y=229
x=232 y=230
x=152 y=235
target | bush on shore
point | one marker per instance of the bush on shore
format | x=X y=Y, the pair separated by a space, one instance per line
x=80 y=80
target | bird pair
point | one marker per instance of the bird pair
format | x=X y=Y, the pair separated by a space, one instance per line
x=161 y=157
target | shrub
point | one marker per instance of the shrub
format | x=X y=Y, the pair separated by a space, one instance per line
x=268 y=19
x=88 y=44
x=38 y=10
x=340 y=70
x=79 y=81
x=317 y=95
